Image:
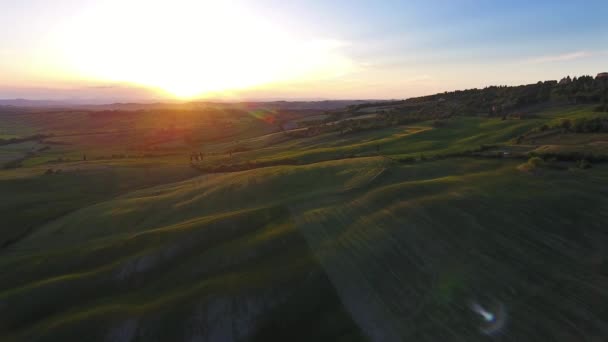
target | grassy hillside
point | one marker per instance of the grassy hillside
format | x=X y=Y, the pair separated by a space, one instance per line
x=407 y=247
x=32 y=196
x=383 y=233
x=231 y=250
x=421 y=250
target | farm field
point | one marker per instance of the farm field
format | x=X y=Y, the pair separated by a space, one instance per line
x=303 y=171
x=390 y=232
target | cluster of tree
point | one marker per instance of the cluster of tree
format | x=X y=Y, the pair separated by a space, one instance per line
x=571 y=156
x=492 y=101
x=358 y=107
x=498 y=100
x=197 y=156
x=508 y=102
x=584 y=89
x=583 y=125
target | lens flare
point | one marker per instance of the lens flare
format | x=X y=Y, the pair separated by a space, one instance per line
x=494 y=317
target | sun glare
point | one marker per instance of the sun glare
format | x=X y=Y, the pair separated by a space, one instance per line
x=192 y=49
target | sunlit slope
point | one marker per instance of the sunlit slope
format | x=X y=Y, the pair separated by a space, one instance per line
x=180 y=252
x=406 y=246
x=459 y=136
x=30 y=197
x=411 y=256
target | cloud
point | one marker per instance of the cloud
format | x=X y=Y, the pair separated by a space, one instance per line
x=560 y=58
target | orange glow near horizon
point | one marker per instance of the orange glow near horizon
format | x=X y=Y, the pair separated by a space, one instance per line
x=192 y=49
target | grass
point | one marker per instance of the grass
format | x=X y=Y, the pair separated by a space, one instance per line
x=346 y=245
x=460 y=136
x=421 y=250
x=37 y=198
x=233 y=256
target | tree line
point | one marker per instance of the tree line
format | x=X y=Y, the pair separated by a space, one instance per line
x=497 y=100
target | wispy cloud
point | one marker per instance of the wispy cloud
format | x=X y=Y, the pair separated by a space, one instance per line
x=564 y=57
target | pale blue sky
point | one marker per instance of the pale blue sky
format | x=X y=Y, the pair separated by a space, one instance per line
x=381 y=49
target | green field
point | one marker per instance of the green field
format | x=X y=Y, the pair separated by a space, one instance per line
x=383 y=234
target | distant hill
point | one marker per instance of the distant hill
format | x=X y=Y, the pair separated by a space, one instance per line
x=269 y=105
x=32 y=103
x=496 y=100
x=491 y=101
x=130 y=106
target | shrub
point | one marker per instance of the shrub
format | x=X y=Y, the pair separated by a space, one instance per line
x=533 y=164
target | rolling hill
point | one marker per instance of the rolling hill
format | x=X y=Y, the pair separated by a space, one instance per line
x=339 y=230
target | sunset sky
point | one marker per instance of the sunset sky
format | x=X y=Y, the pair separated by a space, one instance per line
x=136 y=50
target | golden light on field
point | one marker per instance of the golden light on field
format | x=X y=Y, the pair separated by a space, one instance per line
x=190 y=48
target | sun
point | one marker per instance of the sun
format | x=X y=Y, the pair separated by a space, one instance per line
x=191 y=48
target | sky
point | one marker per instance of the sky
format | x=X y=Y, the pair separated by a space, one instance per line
x=137 y=50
